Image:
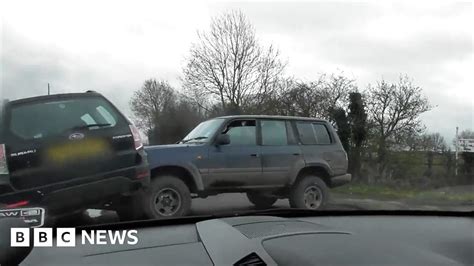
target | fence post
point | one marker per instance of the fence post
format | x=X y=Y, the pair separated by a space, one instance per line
x=456 y=157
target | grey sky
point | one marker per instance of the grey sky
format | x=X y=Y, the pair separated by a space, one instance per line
x=112 y=47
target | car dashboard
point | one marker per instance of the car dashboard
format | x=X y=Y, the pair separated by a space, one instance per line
x=271 y=240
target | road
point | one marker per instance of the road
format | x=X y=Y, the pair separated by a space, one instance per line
x=220 y=204
x=236 y=202
x=239 y=202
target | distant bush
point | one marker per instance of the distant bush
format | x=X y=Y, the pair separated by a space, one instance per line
x=420 y=170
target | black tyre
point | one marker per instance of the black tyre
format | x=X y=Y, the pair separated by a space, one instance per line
x=309 y=193
x=168 y=196
x=261 y=201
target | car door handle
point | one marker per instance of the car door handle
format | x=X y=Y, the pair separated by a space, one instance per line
x=296 y=154
x=254 y=155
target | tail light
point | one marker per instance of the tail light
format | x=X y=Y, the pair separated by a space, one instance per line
x=3 y=160
x=136 y=137
x=143 y=174
x=18 y=204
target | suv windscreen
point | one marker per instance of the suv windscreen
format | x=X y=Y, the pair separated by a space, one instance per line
x=204 y=131
x=48 y=119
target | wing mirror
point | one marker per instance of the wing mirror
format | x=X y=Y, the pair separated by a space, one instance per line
x=223 y=139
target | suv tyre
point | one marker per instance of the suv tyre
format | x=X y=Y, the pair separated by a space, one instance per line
x=309 y=193
x=261 y=201
x=168 y=196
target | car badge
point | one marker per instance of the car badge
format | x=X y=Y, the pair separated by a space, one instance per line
x=76 y=136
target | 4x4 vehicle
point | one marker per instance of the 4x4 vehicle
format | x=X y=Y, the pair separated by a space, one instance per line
x=267 y=157
x=70 y=152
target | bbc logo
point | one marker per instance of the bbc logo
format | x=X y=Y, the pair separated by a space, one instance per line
x=43 y=237
x=66 y=237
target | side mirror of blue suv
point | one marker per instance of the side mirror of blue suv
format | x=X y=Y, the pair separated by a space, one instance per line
x=223 y=139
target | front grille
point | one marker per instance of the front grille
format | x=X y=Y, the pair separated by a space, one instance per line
x=252 y=259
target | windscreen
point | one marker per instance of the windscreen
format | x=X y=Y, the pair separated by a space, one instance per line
x=204 y=131
x=282 y=105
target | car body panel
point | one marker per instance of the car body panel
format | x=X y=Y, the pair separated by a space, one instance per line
x=191 y=157
x=280 y=163
x=234 y=166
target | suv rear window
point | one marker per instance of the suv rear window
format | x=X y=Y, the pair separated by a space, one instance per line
x=322 y=134
x=46 y=119
x=313 y=133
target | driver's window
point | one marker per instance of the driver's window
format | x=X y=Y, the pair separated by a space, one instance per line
x=242 y=132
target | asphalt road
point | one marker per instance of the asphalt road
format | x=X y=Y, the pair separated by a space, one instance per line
x=226 y=204
x=238 y=202
x=221 y=204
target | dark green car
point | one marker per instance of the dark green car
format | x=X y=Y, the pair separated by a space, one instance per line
x=69 y=152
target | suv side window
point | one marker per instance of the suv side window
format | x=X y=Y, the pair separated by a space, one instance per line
x=274 y=133
x=322 y=134
x=306 y=133
x=242 y=132
x=313 y=133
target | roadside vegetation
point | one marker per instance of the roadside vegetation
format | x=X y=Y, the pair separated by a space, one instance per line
x=228 y=71
x=463 y=196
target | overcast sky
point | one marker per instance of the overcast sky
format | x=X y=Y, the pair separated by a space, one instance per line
x=112 y=47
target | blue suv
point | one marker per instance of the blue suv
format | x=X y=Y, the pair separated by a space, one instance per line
x=266 y=157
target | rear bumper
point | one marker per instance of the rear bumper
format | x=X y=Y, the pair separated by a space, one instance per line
x=80 y=194
x=91 y=194
x=340 y=180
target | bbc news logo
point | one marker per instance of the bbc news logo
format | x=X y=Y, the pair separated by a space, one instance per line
x=66 y=237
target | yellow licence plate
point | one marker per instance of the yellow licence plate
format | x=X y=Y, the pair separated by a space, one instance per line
x=77 y=150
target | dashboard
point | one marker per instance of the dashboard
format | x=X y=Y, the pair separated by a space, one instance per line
x=271 y=240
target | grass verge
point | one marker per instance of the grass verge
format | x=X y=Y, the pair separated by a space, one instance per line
x=406 y=194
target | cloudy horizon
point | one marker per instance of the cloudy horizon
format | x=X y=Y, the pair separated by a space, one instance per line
x=114 y=48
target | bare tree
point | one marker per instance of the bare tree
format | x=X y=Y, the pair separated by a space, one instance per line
x=318 y=98
x=433 y=142
x=394 y=110
x=148 y=102
x=162 y=113
x=228 y=63
x=301 y=100
x=335 y=93
x=466 y=134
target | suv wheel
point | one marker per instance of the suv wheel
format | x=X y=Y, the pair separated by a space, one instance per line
x=309 y=193
x=168 y=197
x=261 y=201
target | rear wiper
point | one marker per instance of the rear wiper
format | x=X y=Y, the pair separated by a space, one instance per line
x=91 y=125
x=196 y=138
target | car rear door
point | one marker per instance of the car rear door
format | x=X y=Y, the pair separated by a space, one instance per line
x=320 y=146
x=81 y=137
x=281 y=155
